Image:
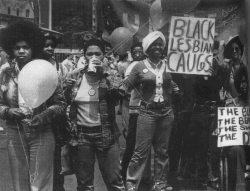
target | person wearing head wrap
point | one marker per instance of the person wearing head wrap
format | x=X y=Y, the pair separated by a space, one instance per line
x=156 y=115
x=150 y=38
x=233 y=51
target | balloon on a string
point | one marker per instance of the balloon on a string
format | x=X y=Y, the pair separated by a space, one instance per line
x=159 y=18
x=121 y=40
x=179 y=6
x=37 y=81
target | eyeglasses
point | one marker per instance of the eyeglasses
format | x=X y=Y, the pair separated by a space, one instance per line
x=236 y=49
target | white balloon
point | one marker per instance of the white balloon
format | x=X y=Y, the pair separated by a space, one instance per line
x=37 y=81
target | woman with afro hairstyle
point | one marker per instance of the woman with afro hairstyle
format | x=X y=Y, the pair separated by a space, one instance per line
x=31 y=141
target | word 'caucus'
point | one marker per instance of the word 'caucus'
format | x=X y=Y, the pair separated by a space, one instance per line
x=190 y=45
x=233 y=126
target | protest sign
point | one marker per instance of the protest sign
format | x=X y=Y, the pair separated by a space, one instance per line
x=190 y=47
x=233 y=126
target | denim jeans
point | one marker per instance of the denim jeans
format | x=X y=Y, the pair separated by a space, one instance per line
x=108 y=159
x=58 y=180
x=153 y=128
x=130 y=146
x=31 y=156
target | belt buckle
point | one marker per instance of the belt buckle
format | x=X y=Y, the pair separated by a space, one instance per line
x=147 y=105
x=163 y=105
x=28 y=116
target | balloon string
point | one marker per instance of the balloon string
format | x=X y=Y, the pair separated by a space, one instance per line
x=26 y=156
x=128 y=38
x=134 y=88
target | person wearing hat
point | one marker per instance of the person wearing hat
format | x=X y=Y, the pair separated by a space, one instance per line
x=156 y=115
x=233 y=52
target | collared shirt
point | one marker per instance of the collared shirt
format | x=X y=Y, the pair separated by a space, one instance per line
x=146 y=78
x=21 y=102
x=55 y=106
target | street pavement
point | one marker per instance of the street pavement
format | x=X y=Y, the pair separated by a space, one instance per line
x=70 y=180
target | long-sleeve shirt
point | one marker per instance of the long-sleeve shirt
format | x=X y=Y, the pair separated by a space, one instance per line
x=55 y=106
x=135 y=96
x=144 y=75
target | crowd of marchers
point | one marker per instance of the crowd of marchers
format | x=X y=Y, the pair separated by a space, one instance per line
x=174 y=114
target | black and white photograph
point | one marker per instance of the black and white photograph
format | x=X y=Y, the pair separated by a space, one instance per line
x=124 y=95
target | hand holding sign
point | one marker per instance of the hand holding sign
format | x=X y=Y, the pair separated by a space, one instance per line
x=37 y=81
x=233 y=126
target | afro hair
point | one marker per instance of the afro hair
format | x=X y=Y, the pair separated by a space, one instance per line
x=242 y=72
x=22 y=31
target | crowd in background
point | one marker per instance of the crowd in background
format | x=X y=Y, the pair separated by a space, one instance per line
x=173 y=114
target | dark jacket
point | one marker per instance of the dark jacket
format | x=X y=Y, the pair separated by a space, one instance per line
x=107 y=100
x=54 y=107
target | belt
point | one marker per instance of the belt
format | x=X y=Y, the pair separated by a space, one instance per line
x=206 y=106
x=28 y=116
x=156 y=105
x=84 y=129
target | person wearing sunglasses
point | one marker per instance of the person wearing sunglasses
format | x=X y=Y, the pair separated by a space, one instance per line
x=233 y=52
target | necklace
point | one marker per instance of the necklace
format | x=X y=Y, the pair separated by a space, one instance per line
x=153 y=64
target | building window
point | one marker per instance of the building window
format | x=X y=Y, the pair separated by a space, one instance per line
x=17 y=12
x=27 y=13
x=9 y=11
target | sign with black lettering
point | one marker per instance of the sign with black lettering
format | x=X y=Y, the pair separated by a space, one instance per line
x=190 y=46
x=233 y=126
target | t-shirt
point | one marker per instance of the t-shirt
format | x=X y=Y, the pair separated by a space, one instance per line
x=87 y=101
